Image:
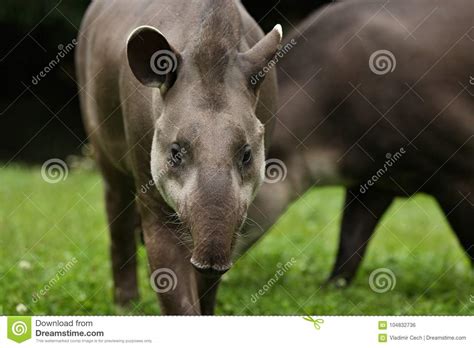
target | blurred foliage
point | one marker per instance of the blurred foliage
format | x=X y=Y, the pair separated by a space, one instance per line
x=66 y=220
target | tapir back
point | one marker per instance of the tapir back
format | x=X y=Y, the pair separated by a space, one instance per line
x=374 y=90
x=377 y=78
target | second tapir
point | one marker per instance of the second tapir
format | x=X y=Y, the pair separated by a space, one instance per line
x=377 y=97
x=175 y=120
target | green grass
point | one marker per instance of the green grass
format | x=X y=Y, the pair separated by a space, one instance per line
x=43 y=226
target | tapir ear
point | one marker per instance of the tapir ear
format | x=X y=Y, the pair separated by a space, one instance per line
x=255 y=62
x=151 y=58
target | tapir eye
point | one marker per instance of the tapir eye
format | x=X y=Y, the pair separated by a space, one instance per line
x=176 y=153
x=246 y=155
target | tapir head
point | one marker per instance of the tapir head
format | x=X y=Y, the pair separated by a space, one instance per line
x=207 y=156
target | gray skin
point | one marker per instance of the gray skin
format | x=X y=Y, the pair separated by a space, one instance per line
x=345 y=140
x=180 y=146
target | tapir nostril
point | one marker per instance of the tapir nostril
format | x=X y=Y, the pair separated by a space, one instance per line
x=208 y=269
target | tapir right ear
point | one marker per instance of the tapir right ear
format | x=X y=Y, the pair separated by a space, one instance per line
x=256 y=59
x=151 y=58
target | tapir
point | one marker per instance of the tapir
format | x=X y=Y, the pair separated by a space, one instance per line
x=377 y=97
x=179 y=129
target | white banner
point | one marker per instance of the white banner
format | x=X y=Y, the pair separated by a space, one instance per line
x=228 y=332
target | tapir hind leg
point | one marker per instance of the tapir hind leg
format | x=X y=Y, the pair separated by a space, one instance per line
x=122 y=219
x=361 y=215
x=458 y=206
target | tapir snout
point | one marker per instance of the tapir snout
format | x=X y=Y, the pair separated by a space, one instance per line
x=216 y=213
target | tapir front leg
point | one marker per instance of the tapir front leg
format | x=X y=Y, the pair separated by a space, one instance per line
x=122 y=220
x=172 y=277
x=361 y=215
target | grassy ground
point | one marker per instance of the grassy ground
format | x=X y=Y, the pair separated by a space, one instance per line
x=45 y=226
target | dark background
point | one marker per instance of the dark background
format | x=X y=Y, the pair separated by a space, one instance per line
x=42 y=121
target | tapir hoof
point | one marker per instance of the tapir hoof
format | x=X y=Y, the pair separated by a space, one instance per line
x=339 y=282
x=125 y=298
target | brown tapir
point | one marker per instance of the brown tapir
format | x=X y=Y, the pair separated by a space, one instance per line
x=178 y=128
x=377 y=97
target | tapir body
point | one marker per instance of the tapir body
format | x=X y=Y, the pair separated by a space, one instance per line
x=377 y=97
x=178 y=132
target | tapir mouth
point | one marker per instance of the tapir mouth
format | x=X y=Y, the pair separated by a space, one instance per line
x=208 y=269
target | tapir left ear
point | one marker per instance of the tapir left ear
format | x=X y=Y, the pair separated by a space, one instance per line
x=255 y=62
x=153 y=61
